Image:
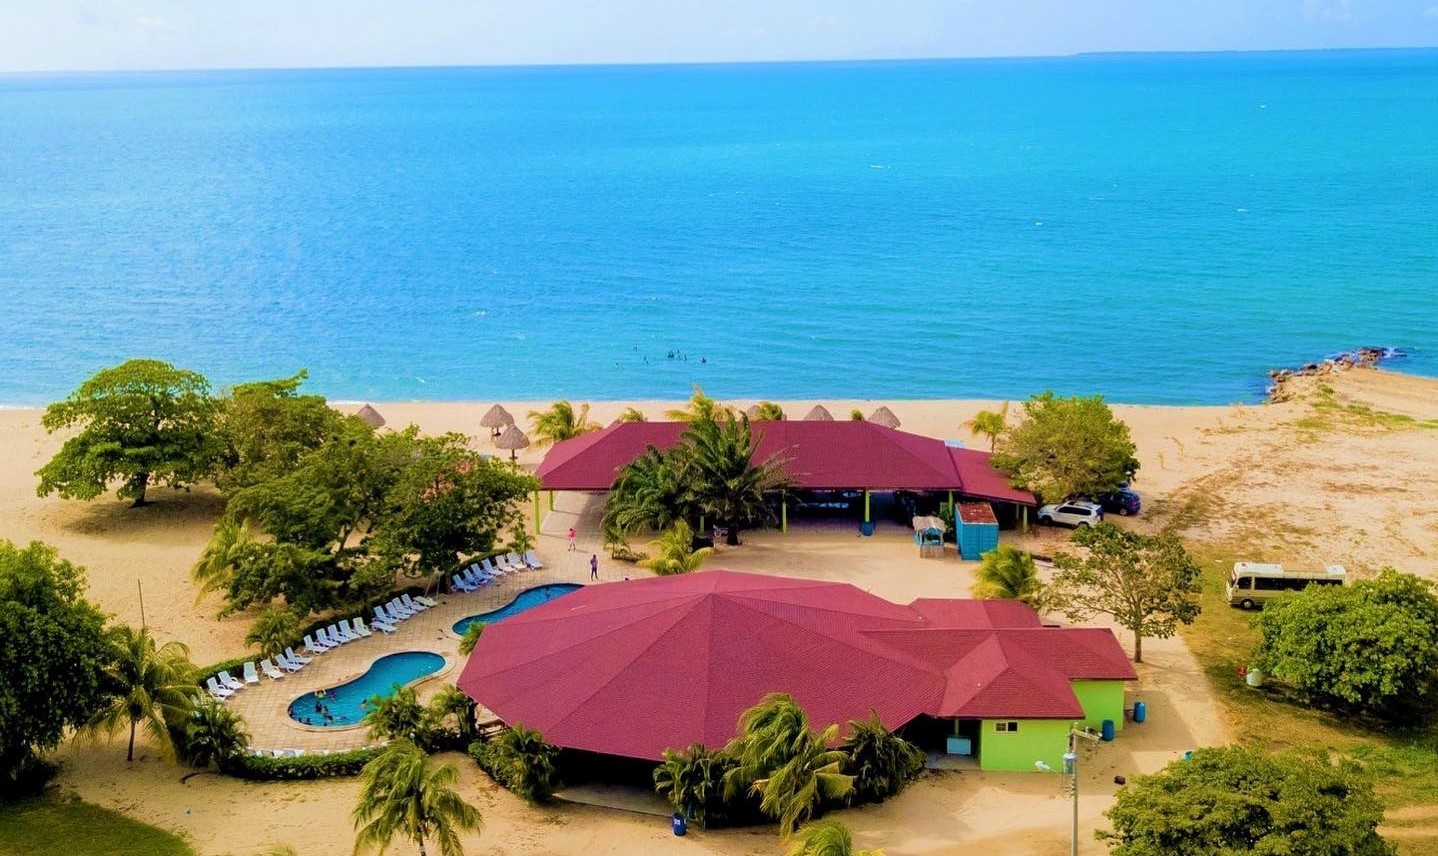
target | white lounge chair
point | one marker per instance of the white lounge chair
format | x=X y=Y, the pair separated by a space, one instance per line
x=287 y=664
x=217 y=692
x=296 y=658
x=382 y=625
x=397 y=608
x=357 y=627
x=489 y=568
x=532 y=559
x=412 y=603
x=517 y=562
x=324 y=637
x=269 y=668
x=314 y=647
x=346 y=632
x=461 y=585
x=251 y=675
x=343 y=634
x=503 y=564
x=230 y=683
x=475 y=577
x=426 y=601
x=382 y=617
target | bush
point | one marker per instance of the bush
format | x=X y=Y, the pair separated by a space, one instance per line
x=881 y=762
x=520 y=761
x=625 y=553
x=265 y=769
x=1370 y=647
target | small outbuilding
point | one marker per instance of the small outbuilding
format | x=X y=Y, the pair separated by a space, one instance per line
x=976 y=529
x=929 y=535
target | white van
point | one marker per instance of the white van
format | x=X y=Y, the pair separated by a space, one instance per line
x=1252 y=583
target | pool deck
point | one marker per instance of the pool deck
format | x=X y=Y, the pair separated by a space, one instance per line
x=264 y=706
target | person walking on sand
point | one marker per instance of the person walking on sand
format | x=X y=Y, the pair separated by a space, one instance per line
x=594 y=567
x=571 y=539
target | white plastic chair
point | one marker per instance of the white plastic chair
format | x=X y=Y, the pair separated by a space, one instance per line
x=251 y=675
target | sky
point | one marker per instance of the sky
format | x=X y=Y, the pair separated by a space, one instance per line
x=66 y=35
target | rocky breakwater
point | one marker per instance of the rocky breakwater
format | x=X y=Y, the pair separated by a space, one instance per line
x=1281 y=381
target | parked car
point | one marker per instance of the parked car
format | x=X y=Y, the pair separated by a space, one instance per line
x=1121 y=502
x=1073 y=513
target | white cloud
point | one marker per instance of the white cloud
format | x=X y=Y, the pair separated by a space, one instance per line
x=1328 y=10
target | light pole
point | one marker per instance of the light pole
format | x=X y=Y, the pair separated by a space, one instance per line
x=1071 y=767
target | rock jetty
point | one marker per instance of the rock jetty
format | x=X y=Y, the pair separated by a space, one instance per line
x=1280 y=380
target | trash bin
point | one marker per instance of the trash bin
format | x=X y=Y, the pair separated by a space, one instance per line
x=1254 y=678
x=1140 y=711
x=866 y=528
x=681 y=825
x=1106 y=731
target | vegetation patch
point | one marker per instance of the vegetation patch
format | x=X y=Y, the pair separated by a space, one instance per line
x=65 y=826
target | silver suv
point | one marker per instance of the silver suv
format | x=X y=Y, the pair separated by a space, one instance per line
x=1074 y=513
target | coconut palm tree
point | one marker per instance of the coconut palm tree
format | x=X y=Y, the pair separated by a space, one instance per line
x=561 y=422
x=881 y=762
x=397 y=716
x=452 y=701
x=700 y=407
x=676 y=552
x=654 y=491
x=632 y=414
x=404 y=797
x=524 y=763
x=472 y=632
x=214 y=734
x=727 y=482
x=230 y=542
x=154 y=684
x=275 y=628
x=827 y=838
x=989 y=423
x=1008 y=573
x=693 y=782
x=856 y=416
x=788 y=765
x=767 y=411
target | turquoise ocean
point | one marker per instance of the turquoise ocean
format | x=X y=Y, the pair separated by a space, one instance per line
x=1157 y=228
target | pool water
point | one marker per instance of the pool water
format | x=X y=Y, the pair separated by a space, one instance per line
x=528 y=599
x=343 y=706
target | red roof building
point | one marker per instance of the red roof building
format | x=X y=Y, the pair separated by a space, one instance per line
x=839 y=455
x=634 y=668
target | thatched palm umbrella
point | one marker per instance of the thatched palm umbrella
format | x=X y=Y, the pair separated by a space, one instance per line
x=370 y=417
x=513 y=439
x=496 y=419
x=752 y=412
x=819 y=413
x=884 y=416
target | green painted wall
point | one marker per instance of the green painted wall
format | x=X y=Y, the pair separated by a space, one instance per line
x=1036 y=740
x=1101 y=700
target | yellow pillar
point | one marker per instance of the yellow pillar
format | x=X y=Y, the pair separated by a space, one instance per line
x=866 y=507
x=536 y=512
x=784 y=512
x=551 y=500
x=952 y=513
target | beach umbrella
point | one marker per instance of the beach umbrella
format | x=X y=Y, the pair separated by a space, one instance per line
x=752 y=412
x=512 y=439
x=496 y=419
x=370 y=417
x=884 y=416
x=819 y=414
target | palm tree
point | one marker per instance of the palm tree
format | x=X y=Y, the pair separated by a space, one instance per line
x=214 y=735
x=524 y=763
x=700 y=407
x=989 y=423
x=827 y=838
x=632 y=414
x=856 y=416
x=654 y=491
x=784 y=762
x=472 y=632
x=1008 y=573
x=396 y=716
x=676 y=552
x=767 y=411
x=230 y=542
x=881 y=762
x=274 y=629
x=728 y=484
x=452 y=701
x=693 y=782
x=154 y=685
x=403 y=796
x=561 y=422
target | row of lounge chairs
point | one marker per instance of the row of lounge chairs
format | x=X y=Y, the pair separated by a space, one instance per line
x=224 y=685
x=484 y=573
x=388 y=615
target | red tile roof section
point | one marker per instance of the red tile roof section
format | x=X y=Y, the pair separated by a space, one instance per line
x=636 y=667
x=981 y=479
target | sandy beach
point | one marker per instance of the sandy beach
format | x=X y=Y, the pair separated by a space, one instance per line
x=1346 y=477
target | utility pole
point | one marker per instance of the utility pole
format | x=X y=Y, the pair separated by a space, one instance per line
x=1071 y=767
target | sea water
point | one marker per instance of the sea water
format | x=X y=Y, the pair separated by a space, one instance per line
x=1154 y=228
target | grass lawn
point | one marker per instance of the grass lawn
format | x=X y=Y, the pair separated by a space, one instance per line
x=1403 y=761
x=56 y=826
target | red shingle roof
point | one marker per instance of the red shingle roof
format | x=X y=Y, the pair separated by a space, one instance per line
x=817 y=455
x=636 y=667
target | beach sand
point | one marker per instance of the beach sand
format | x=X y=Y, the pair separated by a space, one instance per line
x=1290 y=482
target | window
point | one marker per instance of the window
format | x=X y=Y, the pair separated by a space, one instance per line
x=1006 y=726
x=1266 y=584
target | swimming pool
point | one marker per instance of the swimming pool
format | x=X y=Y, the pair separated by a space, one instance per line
x=527 y=599
x=343 y=706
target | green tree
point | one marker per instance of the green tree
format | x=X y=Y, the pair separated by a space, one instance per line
x=1234 y=800
x=856 y=415
x=1146 y=583
x=632 y=414
x=826 y=838
x=767 y=411
x=1008 y=573
x=266 y=428
x=53 y=675
x=1369 y=647
x=560 y=422
x=154 y=685
x=397 y=716
x=214 y=734
x=990 y=424
x=453 y=702
x=231 y=544
x=522 y=762
x=785 y=763
x=274 y=629
x=676 y=552
x=692 y=781
x=472 y=634
x=654 y=491
x=729 y=484
x=700 y=407
x=140 y=422
x=881 y=762
x=1066 y=446
x=403 y=796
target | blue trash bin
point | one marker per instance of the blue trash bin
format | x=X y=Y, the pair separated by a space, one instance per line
x=1106 y=731
x=1140 y=711
x=681 y=825
x=866 y=528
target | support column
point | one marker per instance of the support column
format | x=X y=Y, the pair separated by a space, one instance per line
x=536 y=512
x=784 y=512
x=952 y=512
x=551 y=500
x=866 y=507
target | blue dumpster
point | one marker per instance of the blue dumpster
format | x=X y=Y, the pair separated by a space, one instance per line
x=681 y=825
x=1106 y=731
x=1140 y=711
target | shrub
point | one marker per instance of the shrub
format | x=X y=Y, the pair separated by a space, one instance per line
x=692 y=781
x=265 y=769
x=520 y=761
x=881 y=762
